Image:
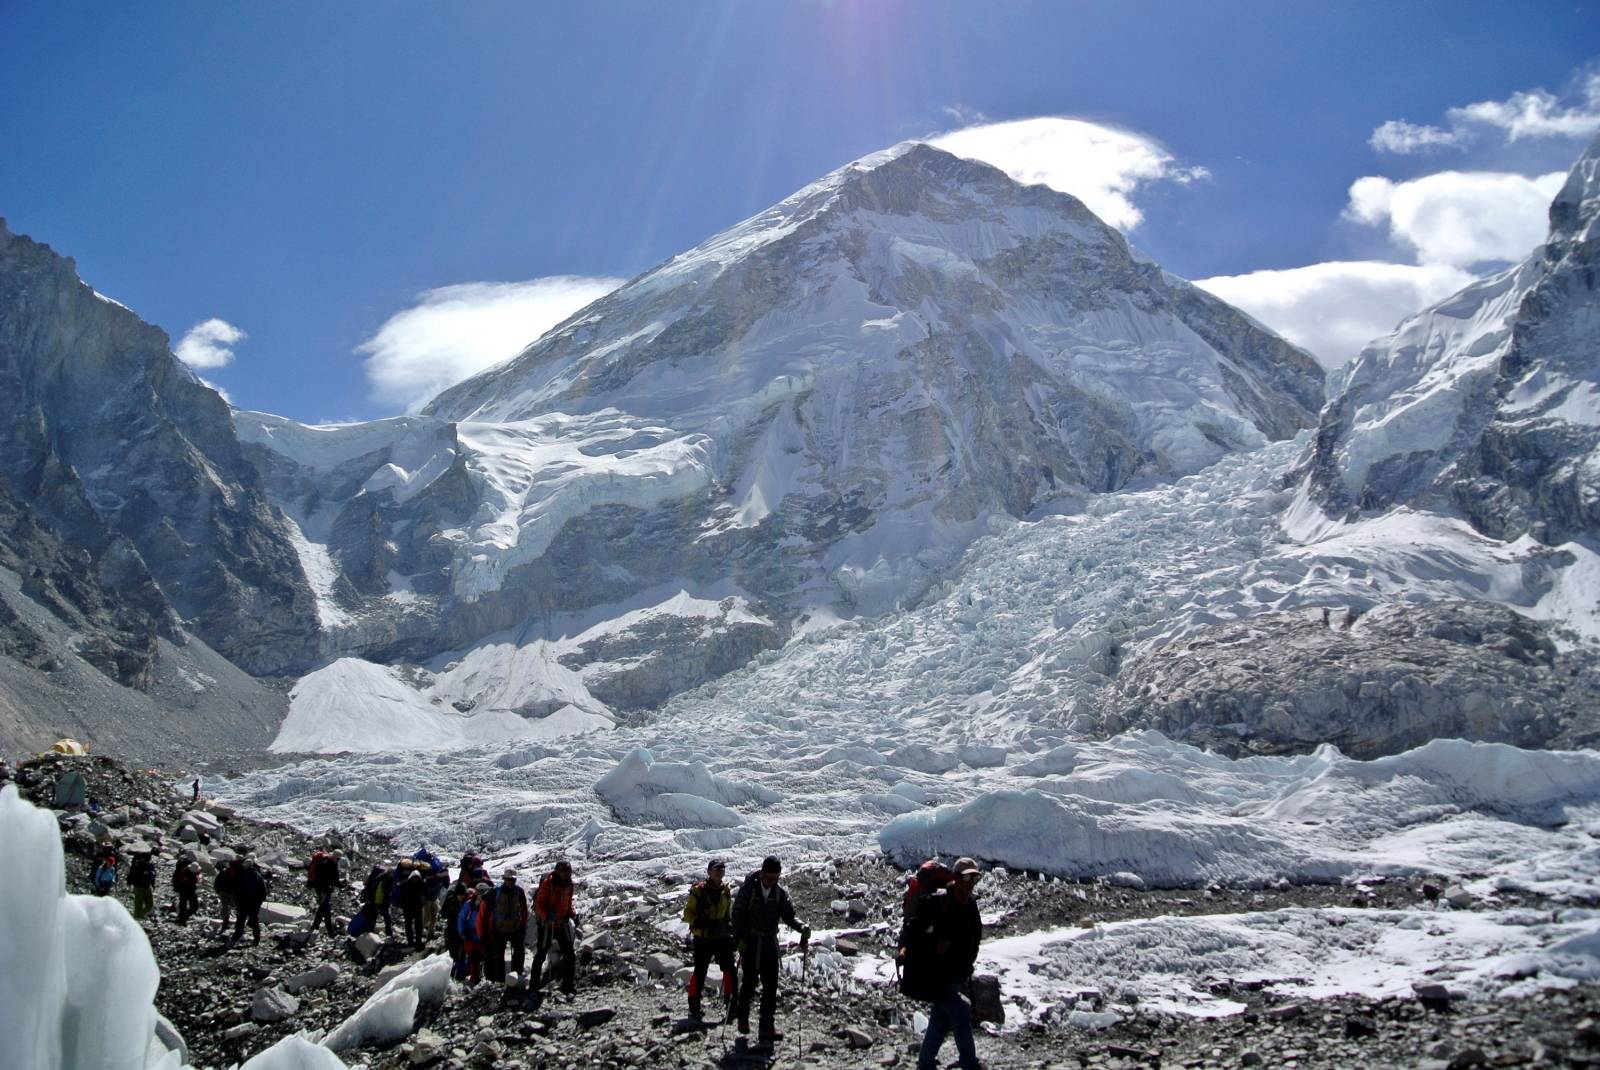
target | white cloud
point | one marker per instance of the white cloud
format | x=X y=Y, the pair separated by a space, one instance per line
x=1459 y=218
x=456 y=331
x=1537 y=113
x=209 y=344
x=1399 y=136
x=1100 y=165
x=1334 y=309
x=1533 y=113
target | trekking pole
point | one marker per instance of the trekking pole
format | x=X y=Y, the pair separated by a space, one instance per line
x=805 y=964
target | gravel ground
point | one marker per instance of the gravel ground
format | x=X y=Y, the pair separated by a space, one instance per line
x=623 y=1016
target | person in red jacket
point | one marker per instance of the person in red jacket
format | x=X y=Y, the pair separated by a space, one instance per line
x=552 y=904
x=470 y=923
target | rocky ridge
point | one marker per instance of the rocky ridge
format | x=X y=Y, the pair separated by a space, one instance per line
x=1371 y=684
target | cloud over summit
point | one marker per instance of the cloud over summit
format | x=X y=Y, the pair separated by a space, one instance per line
x=1100 y=165
x=454 y=332
x=209 y=344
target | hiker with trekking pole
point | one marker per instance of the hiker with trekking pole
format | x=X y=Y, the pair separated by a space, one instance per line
x=759 y=907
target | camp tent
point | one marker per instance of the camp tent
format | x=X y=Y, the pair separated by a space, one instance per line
x=68 y=746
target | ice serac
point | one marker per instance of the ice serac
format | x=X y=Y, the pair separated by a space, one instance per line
x=841 y=391
x=114 y=455
x=1487 y=404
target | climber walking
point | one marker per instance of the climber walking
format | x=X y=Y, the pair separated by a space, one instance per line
x=186 y=885
x=322 y=877
x=142 y=879
x=760 y=905
x=552 y=905
x=709 y=915
x=938 y=947
x=249 y=892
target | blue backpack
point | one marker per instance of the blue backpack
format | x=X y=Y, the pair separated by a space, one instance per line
x=467 y=920
x=359 y=924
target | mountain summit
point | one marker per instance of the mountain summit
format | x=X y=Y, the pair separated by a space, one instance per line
x=913 y=343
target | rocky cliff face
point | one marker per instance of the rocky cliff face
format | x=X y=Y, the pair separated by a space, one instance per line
x=1486 y=403
x=130 y=464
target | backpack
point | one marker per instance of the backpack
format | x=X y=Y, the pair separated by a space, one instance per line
x=919 y=961
x=507 y=911
x=929 y=877
x=467 y=920
x=359 y=924
x=318 y=869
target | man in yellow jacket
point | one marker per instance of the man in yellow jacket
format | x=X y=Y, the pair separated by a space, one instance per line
x=709 y=913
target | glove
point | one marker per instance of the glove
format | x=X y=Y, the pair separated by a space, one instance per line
x=805 y=935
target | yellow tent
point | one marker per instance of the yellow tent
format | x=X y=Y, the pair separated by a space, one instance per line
x=68 y=746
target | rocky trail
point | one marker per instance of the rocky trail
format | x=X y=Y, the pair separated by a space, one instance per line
x=629 y=1011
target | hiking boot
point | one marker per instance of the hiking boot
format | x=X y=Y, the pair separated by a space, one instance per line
x=744 y=1025
x=696 y=1012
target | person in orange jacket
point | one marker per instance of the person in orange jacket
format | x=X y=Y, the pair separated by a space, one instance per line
x=552 y=905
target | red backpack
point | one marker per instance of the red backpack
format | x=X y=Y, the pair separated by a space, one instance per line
x=929 y=877
x=318 y=868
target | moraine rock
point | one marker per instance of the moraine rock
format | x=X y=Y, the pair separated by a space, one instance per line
x=273 y=1005
x=1396 y=678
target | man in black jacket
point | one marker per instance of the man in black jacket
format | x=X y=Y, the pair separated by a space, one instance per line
x=941 y=943
x=760 y=906
x=249 y=892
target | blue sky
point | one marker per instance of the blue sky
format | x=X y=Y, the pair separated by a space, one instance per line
x=335 y=183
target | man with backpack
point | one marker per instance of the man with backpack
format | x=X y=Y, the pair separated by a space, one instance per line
x=507 y=909
x=709 y=915
x=454 y=898
x=376 y=894
x=104 y=876
x=938 y=946
x=249 y=892
x=186 y=885
x=553 y=906
x=435 y=879
x=471 y=924
x=759 y=907
x=142 y=879
x=225 y=884
x=409 y=895
x=322 y=877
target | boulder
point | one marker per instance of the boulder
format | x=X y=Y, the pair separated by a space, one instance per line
x=318 y=977
x=282 y=914
x=986 y=1004
x=273 y=1005
x=588 y=1019
x=367 y=946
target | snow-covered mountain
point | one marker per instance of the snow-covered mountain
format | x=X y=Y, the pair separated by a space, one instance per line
x=869 y=370
x=810 y=415
x=1489 y=402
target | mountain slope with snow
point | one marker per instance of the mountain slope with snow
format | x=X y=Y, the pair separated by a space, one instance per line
x=1487 y=404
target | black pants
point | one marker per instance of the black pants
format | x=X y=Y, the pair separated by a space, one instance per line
x=413 y=917
x=324 y=911
x=708 y=949
x=560 y=934
x=494 y=963
x=760 y=965
x=381 y=911
x=251 y=915
x=188 y=904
